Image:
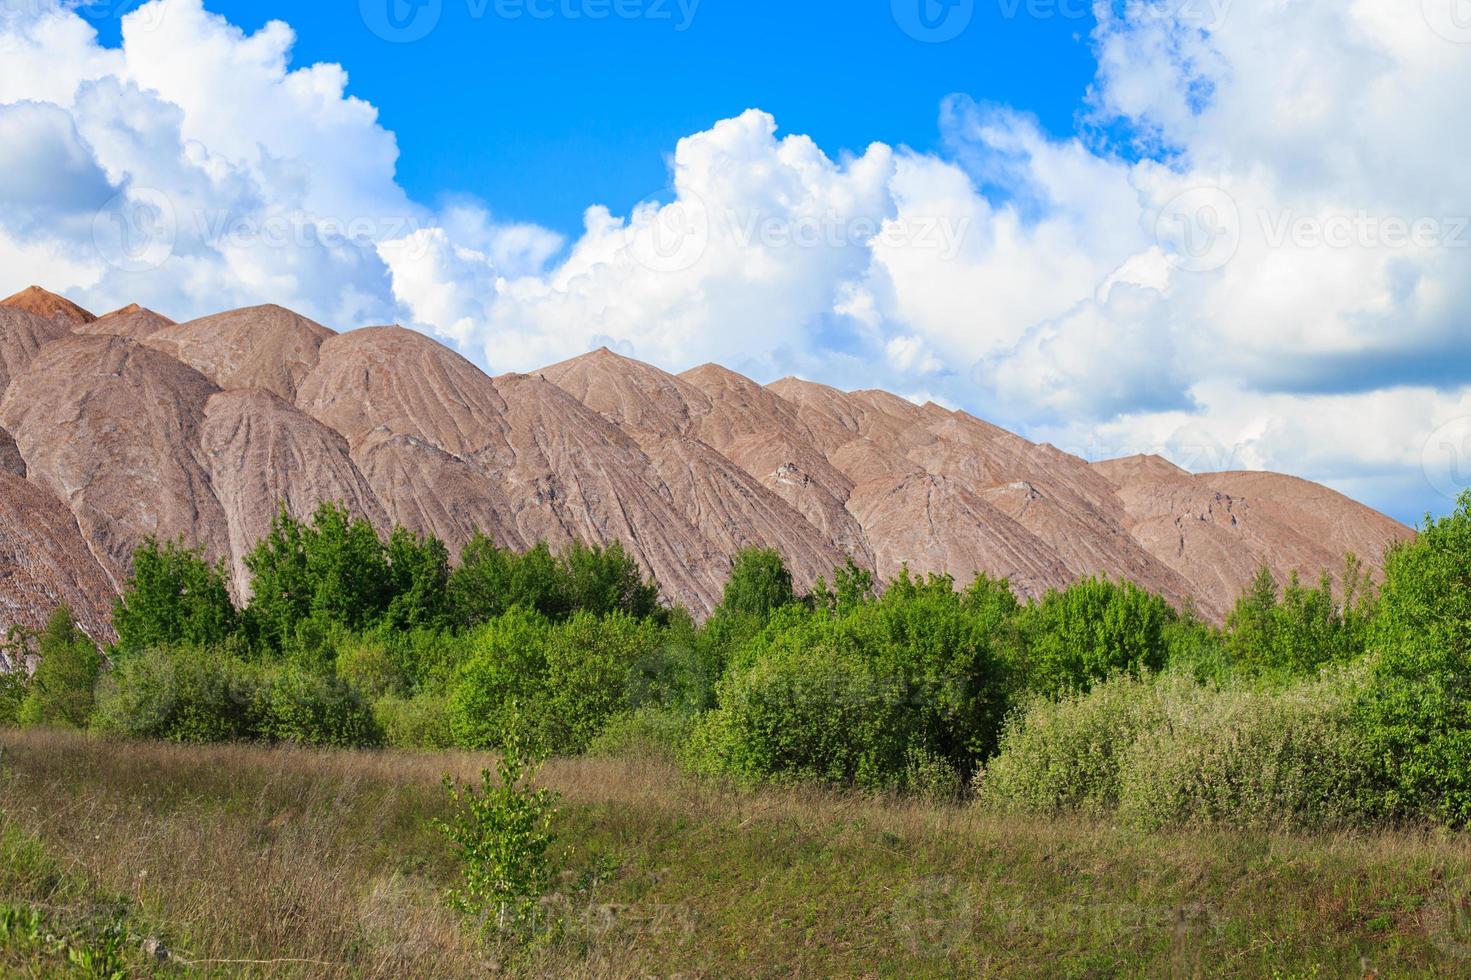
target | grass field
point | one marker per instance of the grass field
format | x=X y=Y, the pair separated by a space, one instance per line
x=258 y=862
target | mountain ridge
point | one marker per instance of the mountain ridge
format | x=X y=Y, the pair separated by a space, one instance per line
x=129 y=425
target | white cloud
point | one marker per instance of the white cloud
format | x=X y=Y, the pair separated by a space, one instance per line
x=1281 y=251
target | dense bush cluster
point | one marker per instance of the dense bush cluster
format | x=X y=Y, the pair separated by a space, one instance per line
x=1332 y=704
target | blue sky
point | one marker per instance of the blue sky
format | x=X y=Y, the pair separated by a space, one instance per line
x=1233 y=232
x=541 y=116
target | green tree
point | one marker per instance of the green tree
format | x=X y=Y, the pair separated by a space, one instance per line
x=503 y=833
x=490 y=580
x=602 y=581
x=1091 y=630
x=759 y=584
x=174 y=597
x=307 y=580
x=1419 y=710
x=419 y=571
x=61 y=691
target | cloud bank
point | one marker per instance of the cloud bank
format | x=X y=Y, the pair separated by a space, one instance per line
x=1254 y=252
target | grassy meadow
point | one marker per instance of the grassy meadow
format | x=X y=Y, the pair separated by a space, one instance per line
x=290 y=862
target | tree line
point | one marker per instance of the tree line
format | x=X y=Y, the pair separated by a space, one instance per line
x=1329 y=702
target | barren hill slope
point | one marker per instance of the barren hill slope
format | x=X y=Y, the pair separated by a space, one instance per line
x=130 y=425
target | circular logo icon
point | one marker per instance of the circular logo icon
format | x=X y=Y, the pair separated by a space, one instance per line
x=1451 y=19
x=670 y=237
x=136 y=231
x=933 y=21
x=934 y=914
x=401 y=21
x=1446 y=459
x=1200 y=230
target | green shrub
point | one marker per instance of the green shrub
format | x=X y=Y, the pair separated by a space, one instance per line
x=180 y=695
x=1090 y=631
x=1067 y=755
x=588 y=664
x=505 y=663
x=1168 y=752
x=1253 y=758
x=368 y=664
x=299 y=706
x=60 y=693
x=851 y=698
x=645 y=733
x=419 y=722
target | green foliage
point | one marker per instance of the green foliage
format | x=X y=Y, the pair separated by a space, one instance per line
x=857 y=698
x=14 y=681
x=60 y=694
x=418 y=581
x=588 y=665
x=490 y=581
x=568 y=678
x=503 y=833
x=174 y=597
x=759 y=585
x=195 y=695
x=1090 y=631
x=333 y=572
x=1253 y=757
x=419 y=722
x=1169 y=752
x=647 y=732
x=301 y=706
x=1418 y=713
x=1302 y=629
x=184 y=694
x=371 y=666
x=604 y=581
x=1066 y=755
x=506 y=658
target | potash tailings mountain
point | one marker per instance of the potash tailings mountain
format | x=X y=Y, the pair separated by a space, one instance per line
x=118 y=427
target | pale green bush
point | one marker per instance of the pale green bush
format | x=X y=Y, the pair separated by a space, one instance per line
x=419 y=722
x=1290 y=758
x=1169 y=752
x=1066 y=755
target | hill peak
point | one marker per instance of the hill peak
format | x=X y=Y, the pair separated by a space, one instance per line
x=42 y=302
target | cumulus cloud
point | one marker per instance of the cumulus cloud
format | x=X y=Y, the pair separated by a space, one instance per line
x=1254 y=252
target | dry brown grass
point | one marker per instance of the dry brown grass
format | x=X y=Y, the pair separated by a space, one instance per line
x=323 y=864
